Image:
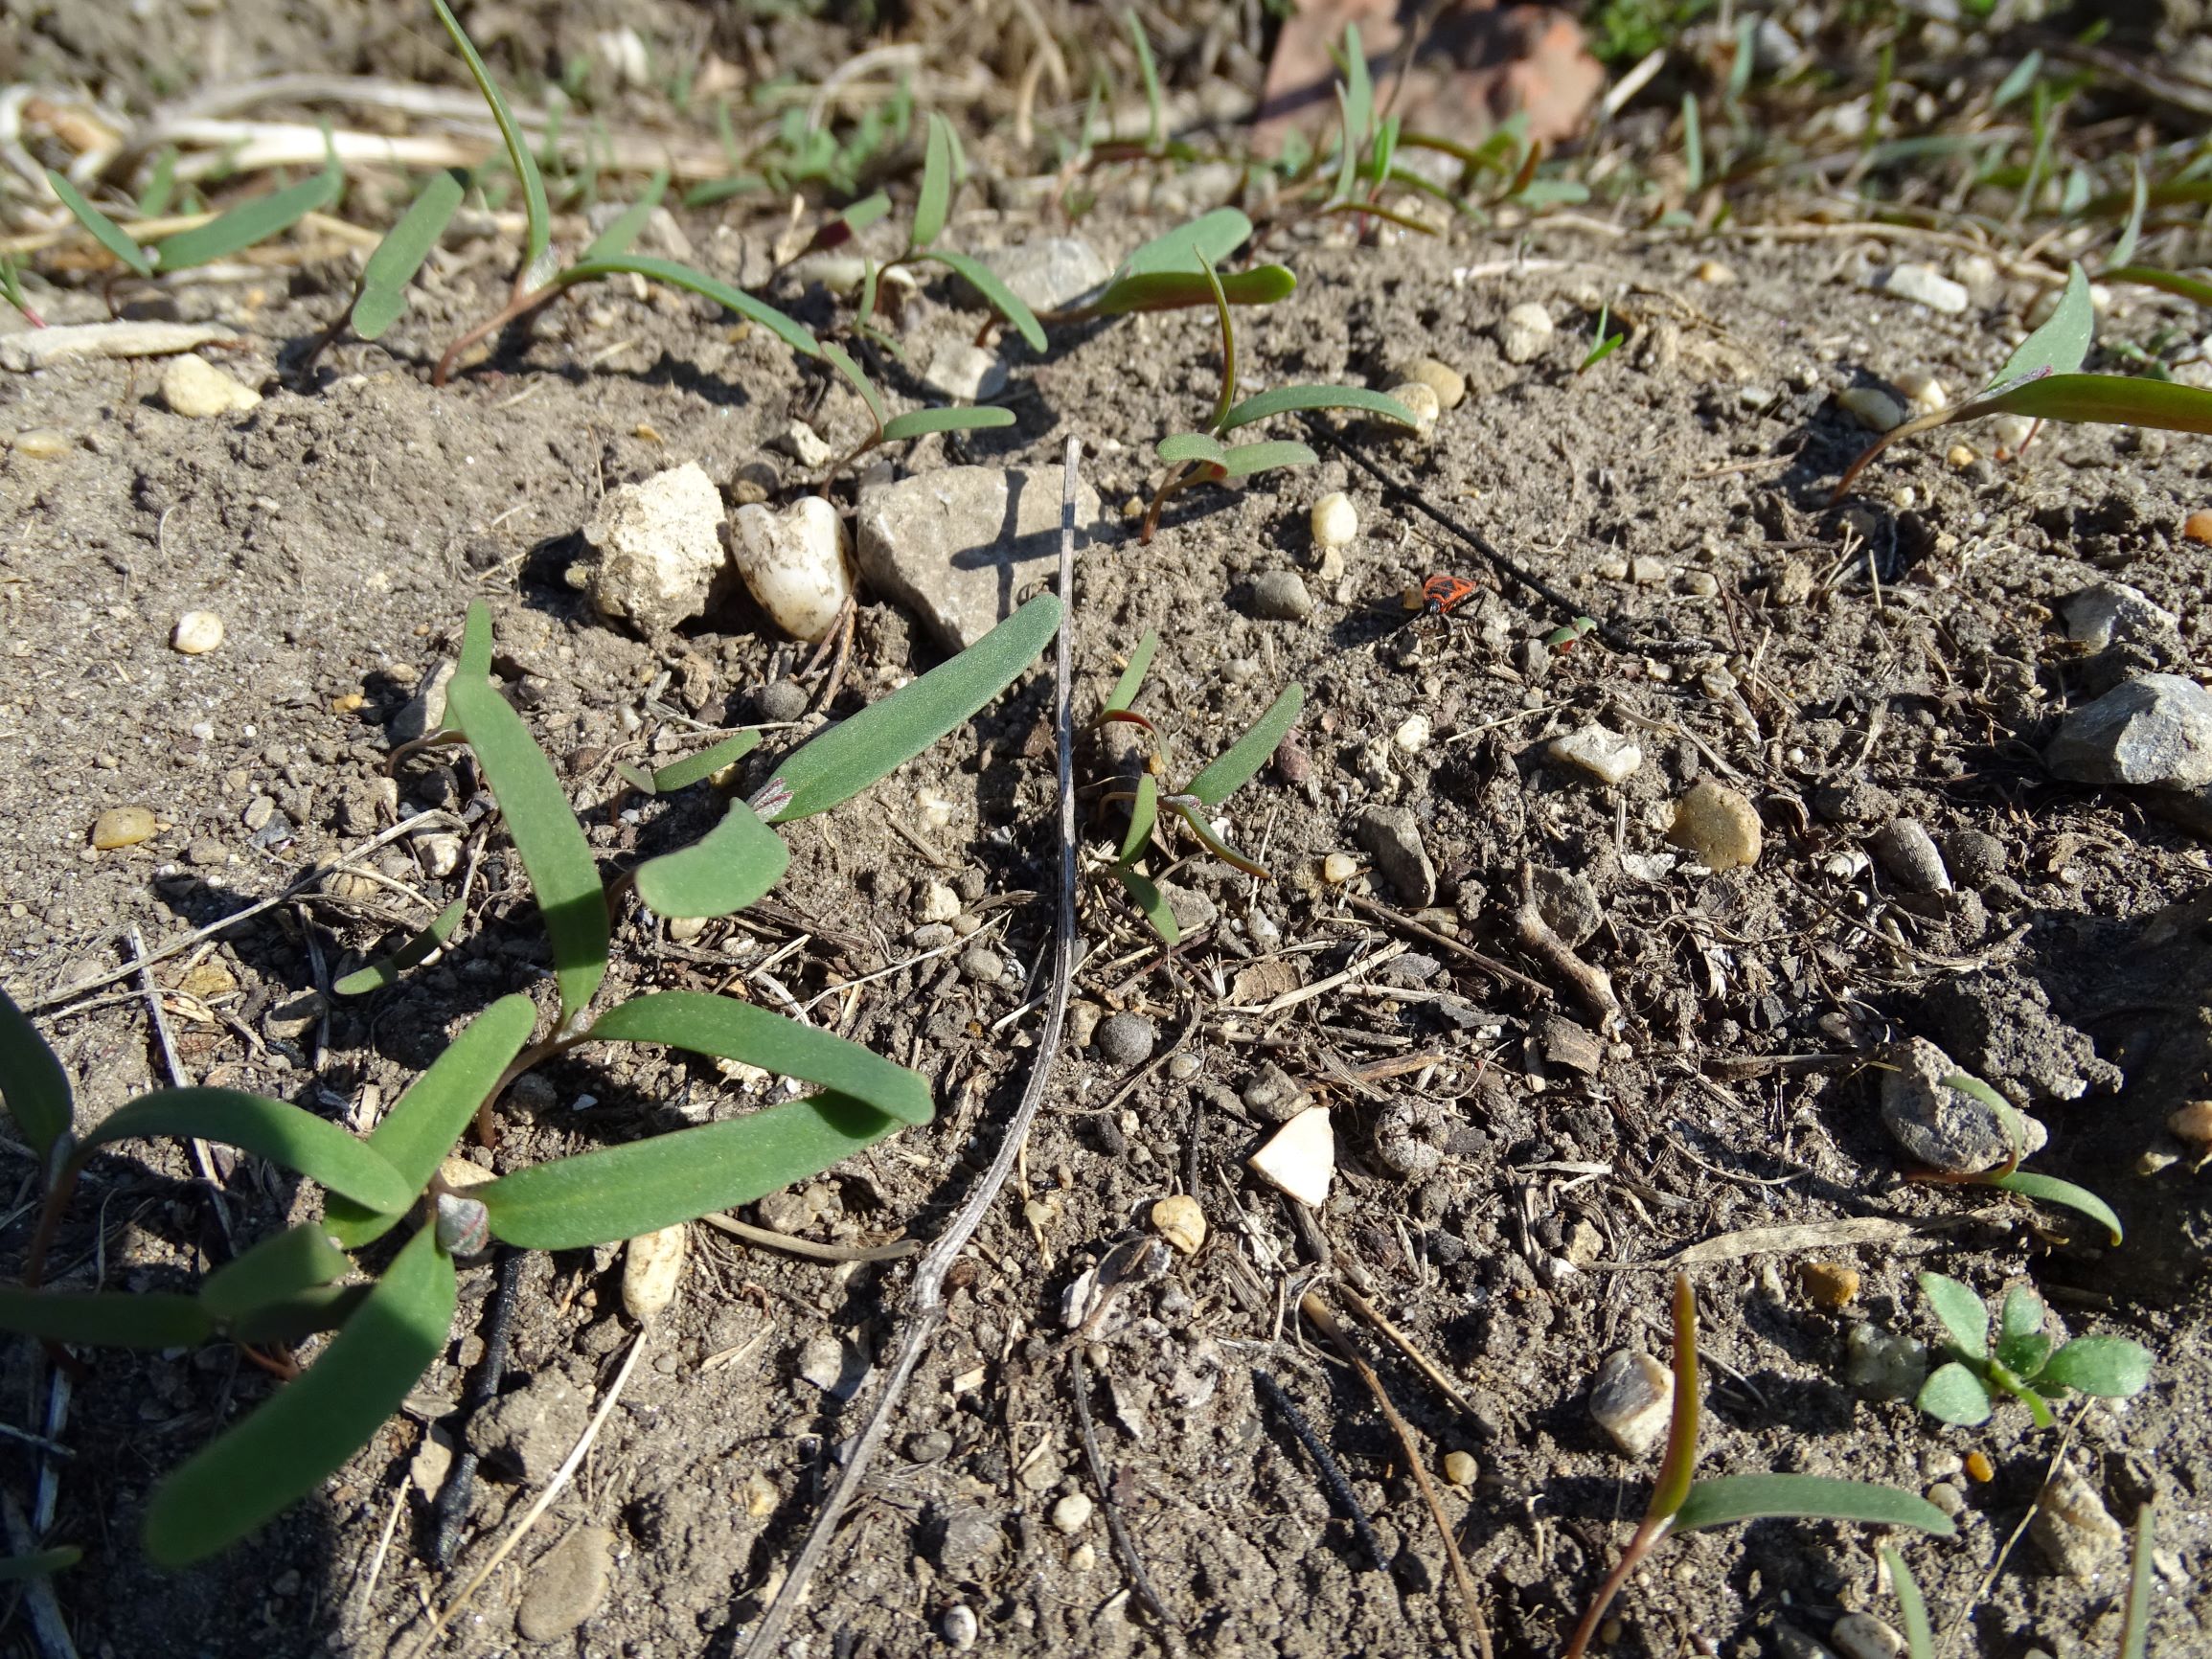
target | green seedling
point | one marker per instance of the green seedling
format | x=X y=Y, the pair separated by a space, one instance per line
x=1602 y=344
x=392 y=1322
x=543 y=279
x=885 y=428
x=802 y=154
x=380 y=296
x=247 y=225
x=11 y=289
x=1681 y=1503
x=1194 y=458
x=1204 y=793
x=1170 y=273
x=2043 y=381
x=2022 y=1362
x=2134 y=1623
x=2009 y=1176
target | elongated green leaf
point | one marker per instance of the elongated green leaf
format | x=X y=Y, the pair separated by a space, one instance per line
x=474 y=661
x=684 y=773
x=250 y=222
x=1151 y=903
x=384 y=279
x=104 y=231
x=296 y=1317
x=14 y=1569
x=1355 y=102
x=726 y=870
x=600 y=1197
x=537 y=233
x=1212 y=236
x=737 y=1030
x=2135 y=1625
x=425 y=1122
x=996 y=294
x=841 y=360
x=1732 y=1498
x=1179 y=290
x=884 y=735
x=919 y=423
x=2050 y=1189
x=1126 y=689
x=629 y=224
x=2023 y=77
x=105 y=1318
x=2194 y=288
x=2060 y=345
x=1911 y=1608
x=1288 y=400
x=546 y=833
x=936 y=198
x=2110 y=1367
x=1149 y=71
x=31 y=1082
x=306 y=1432
x=386 y=970
x=1678 y=1464
x=2124 y=250
x=1543 y=193
x=1693 y=146
x=1235 y=768
x=1144 y=813
x=1955 y=1395
x=1961 y=1312
x=1245 y=459
x=864 y=212
x=295 y=1260
x=1193 y=446
x=2116 y=398
x=793 y=334
x=284 y=1134
x=159 y=185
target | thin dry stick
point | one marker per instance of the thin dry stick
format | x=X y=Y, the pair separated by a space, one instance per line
x=767 y=1238
x=48 y=1628
x=1489 y=964
x=181 y=1078
x=1080 y=1380
x=1592 y=986
x=553 y=1489
x=1325 y=1322
x=1421 y=1362
x=926 y=1298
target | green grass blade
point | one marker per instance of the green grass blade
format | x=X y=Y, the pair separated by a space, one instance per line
x=995 y=293
x=2049 y=1190
x=1960 y=1311
x=2124 y=250
x=104 y=231
x=1151 y=903
x=425 y=1122
x=538 y=216
x=1911 y=1608
x=1288 y=400
x=296 y=1260
x=284 y=1134
x=1233 y=770
x=2061 y=344
x=1202 y=447
x=684 y=773
x=2023 y=77
x=1124 y=692
x=1355 y=106
x=1678 y=1473
x=841 y=360
x=1732 y=1498
x=1543 y=193
x=864 y=212
x=159 y=185
x=1180 y=290
x=600 y=1197
x=386 y=970
x=883 y=736
x=307 y=1430
x=2117 y=399
x=935 y=202
x=1144 y=813
x=1245 y=459
x=1212 y=236
x=1227 y=322
x=251 y=222
x=2194 y=288
x=31 y=1082
x=629 y=224
x=723 y=871
x=105 y=1318
x=384 y=279
x=1693 y=144
x=738 y=1031
x=14 y=1569
x=555 y=854
x=1155 y=106
x=2136 y=1627
x=792 y=333
x=919 y=423
x=2109 y=1366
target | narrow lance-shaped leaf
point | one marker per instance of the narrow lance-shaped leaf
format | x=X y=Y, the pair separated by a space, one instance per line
x=2050 y=1189
x=1732 y=1498
x=1234 y=770
x=1155 y=108
x=1356 y=103
x=726 y=870
x=106 y=1318
x=841 y=360
x=2124 y=250
x=425 y=1122
x=251 y=222
x=2062 y=343
x=159 y=185
x=1911 y=1608
x=919 y=422
x=31 y=1082
x=629 y=224
x=1151 y=903
x=103 y=230
x=296 y=1317
x=1212 y=236
x=537 y=259
x=1126 y=689
x=2192 y=289
x=417 y=949
x=737 y=1030
x=546 y=833
x=14 y=1569
x=692 y=768
x=995 y=293
x=1200 y=447
x=600 y=1197
x=296 y=1260
x=307 y=1430
x=792 y=333
x=1247 y=460
x=936 y=198
x=284 y=1134
x=384 y=279
x=883 y=736
x=1179 y=290
x=1144 y=813
x=1289 y=399
x=2136 y=1622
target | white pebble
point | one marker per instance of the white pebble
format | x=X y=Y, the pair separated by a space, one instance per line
x=1923 y=286
x=1180 y=1221
x=1340 y=868
x=1421 y=402
x=198 y=632
x=959 y=1626
x=1413 y=735
x=1606 y=756
x=1863 y=1636
x=1925 y=390
x=939 y=903
x=1072 y=1514
x=2011 y=431
x=1633 y=1400
x=1301 y=1157
x=1872 y=407
x=194 y=387
x=652 y=1266
x=1336 y=520
x=794 y=563
x=1526 y=331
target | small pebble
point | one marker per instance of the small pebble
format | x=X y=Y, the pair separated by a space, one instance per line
x=123 y=827
x=780 y=702
x=1301 y=1157
x=1421 y=402
x=1947 y=1498
x=1336 y=520
x=652 y=1266
x=1908 y=853
x=1072 y=1514
x=1881 y=1364
x=1647 y=571
x=1700 y=583
x=1411 y=1139
x=1282 y=596
x=931 y=1445
x=567 y=1584
x=1923 y=286
x=1978 y=1468
x=1632 y=1399
x=1340 y=868
x=1715 y=272
x=1125 y=1040
x=1459 y=1468
x=959 y=1626
x=1183 y=1067
x=933 y=935
x=1872 y=407
x=2011 y=431
x=1413 y=735
x=1716 y=824
x=981 y=966
x=1525 y=332
x=1863 y=1636
x=2073 y=1529
x=1960 y=456
x=1828 y=1286
x=1925 y=390
x=196 y=633
x=2198 y=526
x=1179 y=1219
x=42 y=444
x=938 y=903
x=2192 y=1122
x=1606 y=756
x=194 y=387
x=1448 y=383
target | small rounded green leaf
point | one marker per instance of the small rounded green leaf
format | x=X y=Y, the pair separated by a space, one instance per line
x=31 y=1082
x=2107 y=1366
x=296 y=1260
x=106 y=1318
x=996 y=294
x=1731 y=1498
x=726 y=870
x=1963 y=1316
x=1212 y=236
x=1953 y=1394
x=284 y=1134
x=310 y=1427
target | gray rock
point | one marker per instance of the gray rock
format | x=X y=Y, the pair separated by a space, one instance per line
x=955 y=545
x=567 y=1585
x=1944 y=1127
x=526 y=1434
x=1525 y=332
x=965 y=372
x=1412 y=968
x=1051 y=273
x=1191 y=908
x=1907 y=852
x=1125 y=1040
x=2114 y=613
x=1392 y=836
x=964 y=1541
x=1791 y=1642
x=423 y=712
x=982 y=965
x=1863 y=1636
x=2000 y=1025
x=1882 y=1365
x=833 y=1365
x=2073 y=1529
x=1281 y=596
x=781 y=701
x=1568 y=903
x=931 y=1445
x=1274 y=1095
x=2155 y=731
x=1975 y=856
x=1632 y=1399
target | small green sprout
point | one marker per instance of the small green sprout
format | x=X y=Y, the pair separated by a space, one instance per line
x=234 y=231
x=1603 y=345
x=2008 y=1176
x=11 y=289
x=2022 y=1362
